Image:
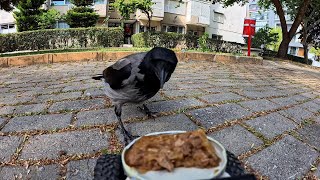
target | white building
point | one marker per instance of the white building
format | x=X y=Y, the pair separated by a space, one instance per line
x=7 y=22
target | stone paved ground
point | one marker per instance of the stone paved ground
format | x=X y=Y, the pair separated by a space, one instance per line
x=55 y=120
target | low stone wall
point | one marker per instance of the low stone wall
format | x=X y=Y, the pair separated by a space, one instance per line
x=113 y=56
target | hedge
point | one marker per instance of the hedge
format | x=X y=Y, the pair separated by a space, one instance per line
x=189 y=41
x=269 y=53
x=62 y=39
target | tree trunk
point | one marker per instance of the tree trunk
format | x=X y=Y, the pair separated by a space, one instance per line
x=305 y=53
x=149 y=21
x=287 y=36
x=284 y=46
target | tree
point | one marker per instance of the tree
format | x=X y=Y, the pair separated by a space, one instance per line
x=48 y=18
x=299 y=7
x=309 y=34
x=27 y=14
x=316 y=52
x=8 y=5
x=264 y=36
x=275 y=45
x=128 y=7
x=82 y=15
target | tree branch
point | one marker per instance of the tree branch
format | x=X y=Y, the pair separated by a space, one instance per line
x=301 y=13
x=282 y=18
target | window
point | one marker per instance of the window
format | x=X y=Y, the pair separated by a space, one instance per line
x=98 y=1
x=62 y=25
x=216 y=37
x=153 y=29
x=176 y=29
x=7 y=28
x=218 y=17
x=141 y=29
x=292 y=50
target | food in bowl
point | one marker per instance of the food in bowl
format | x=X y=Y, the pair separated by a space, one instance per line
x=169 y=151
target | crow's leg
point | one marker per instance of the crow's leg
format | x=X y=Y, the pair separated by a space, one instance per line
x=145 y=109
x=127 y=136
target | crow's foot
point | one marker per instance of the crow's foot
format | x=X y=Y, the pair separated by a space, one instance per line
x=128 y=137
x=146 y=110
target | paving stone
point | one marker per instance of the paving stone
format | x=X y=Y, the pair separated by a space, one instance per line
x=299 y=98
x=82 y=169
x=188 y=92
x=271 y=125
x=213 y=116
x=259 y=105
x=32 y=108
x=2 y=120
x=193 y=86
x=8 y=145
x=311 y=106
x=10 y=100
x=41 y=122
x=286 y=159
x=94 y=92
x=76 y=142
x=155 y=98
x=80 y=86
x=173 y=105
x=317 y=119
x=310 y=95
x=215 y=98
x=310 y=134
x=6 y=110
x=103 y=116
x=167 y=123
x=296 y=113
x=59 y=97
x=236 y=139
x=287 y=101
x=48 y=172
x=78 y=105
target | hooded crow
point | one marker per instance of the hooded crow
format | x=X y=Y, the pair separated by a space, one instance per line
x=136 y=78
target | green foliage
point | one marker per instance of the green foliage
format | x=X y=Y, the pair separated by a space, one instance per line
x=264 y=36
x=28 y=14
x=128 y=7
x=61 y=39
x=82 y=2
x=176 y=40
x=203 y=42
x=159 y=39
x=47 y=19
x=275 y=45
x=81 y=17
x=8 y=5
x=316 y=52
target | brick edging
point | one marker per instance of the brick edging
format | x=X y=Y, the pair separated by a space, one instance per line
x=113 y=56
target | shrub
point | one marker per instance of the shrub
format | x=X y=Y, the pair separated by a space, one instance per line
x=189 y=41
x=203 y=42
x=61 y=39
x=81 y=17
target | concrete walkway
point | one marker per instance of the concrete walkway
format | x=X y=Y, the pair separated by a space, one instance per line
x=55 y=120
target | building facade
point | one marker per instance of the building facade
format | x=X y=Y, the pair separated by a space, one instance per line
x=7 y=24
x=191 y=16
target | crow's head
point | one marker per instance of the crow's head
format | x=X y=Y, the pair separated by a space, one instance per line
x=162 y=62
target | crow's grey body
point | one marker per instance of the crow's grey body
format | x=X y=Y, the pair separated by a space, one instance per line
x=129 y=92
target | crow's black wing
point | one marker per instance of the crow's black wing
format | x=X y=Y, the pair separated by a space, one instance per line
x=116 y=74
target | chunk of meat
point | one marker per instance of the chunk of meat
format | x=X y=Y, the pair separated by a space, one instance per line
x=166 y=152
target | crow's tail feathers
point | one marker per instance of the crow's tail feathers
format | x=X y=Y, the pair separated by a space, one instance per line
x=97 y=77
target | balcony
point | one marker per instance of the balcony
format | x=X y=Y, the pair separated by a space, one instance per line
x=100 y=6
x=158 y=11
x=198 y=13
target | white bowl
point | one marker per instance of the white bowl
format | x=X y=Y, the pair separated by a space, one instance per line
x=178 y=173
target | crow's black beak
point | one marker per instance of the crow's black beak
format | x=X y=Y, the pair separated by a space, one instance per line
x=162 y=78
